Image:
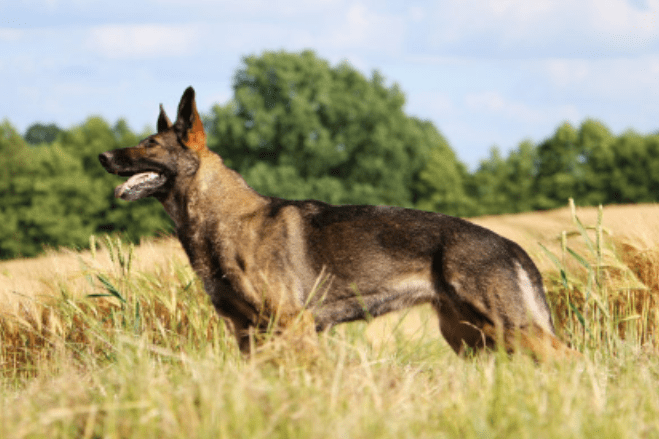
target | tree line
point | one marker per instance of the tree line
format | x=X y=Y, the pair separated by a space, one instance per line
x=298 y=127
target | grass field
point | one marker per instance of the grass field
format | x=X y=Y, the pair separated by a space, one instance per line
x=123 y=343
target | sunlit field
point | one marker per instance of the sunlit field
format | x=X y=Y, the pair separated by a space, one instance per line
x=123 y=342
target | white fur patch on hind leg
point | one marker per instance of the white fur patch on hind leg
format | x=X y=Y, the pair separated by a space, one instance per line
x=536 y=309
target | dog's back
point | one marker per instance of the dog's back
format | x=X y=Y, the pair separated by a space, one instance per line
x=381 y=259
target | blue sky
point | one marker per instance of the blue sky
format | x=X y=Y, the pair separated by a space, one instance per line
x=487 y=72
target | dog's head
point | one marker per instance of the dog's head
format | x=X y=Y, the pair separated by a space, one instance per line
x=156 y=162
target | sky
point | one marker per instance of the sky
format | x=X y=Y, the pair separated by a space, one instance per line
x=486 y=73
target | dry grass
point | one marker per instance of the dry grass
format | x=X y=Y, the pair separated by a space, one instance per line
x=123 y=342
x=81 y=299
x=636 y=225
x=46 y=275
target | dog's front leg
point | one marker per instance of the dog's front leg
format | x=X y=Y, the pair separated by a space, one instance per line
x=243 y=332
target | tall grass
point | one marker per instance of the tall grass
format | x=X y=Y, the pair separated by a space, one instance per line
x=117 y=351
x=603 y=291
x=166 y=308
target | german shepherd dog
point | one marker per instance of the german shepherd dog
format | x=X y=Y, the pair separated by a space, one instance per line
x=265 y=260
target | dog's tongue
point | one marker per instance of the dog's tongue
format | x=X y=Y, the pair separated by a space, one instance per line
x=133 y=184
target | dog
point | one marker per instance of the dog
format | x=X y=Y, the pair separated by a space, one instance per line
x=266 y=261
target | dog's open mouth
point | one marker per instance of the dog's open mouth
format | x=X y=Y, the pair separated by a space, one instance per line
x=139 y=186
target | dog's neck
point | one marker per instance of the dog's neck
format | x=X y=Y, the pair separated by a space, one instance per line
x=213 y=188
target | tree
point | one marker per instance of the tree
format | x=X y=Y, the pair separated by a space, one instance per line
x=45 y=198
x=631 y=178
x=599 y=162
x=652 y=163
x=443 y=178
x=486 y=185
x=300 y=128
x=505 y=185
x=522 y=172
x=58 y=194
x=39 y=133
x=13 y=157
x=561 y=165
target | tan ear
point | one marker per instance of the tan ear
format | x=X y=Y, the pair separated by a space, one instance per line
x=188 y=123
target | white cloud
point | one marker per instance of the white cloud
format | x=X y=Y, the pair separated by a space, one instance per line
x=8 y=35
x=493 y=103
x=221 y=98
x=417 y=13
x=278 y=8
x=365 y=28
x=347 y=32
x=144 y=41
x=564 y=72
x=245 y=37
x=48 y=4
x=619 y=16
x=433 y=103
x=555 y=26
x=614 y=79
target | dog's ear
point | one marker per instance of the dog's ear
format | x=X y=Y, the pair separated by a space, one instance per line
x=163 y=121
x=188 y=122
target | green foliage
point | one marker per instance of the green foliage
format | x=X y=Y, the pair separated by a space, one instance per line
x=443 y=179
x=631 y=179
x=13 y=156
x=561 y=161
x=39 y=133
x=58 y=194
x=588 y=164
x=300 y=128
x=503 y=185
x=45 y=198
x=51 y=200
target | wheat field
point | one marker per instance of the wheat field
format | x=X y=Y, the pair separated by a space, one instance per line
x=121 y=342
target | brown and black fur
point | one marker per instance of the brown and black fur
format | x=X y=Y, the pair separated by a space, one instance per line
x=265 y=259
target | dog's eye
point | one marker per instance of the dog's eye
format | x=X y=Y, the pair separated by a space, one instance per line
x=151 y=143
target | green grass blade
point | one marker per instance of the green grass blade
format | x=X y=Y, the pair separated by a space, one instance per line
x=579 y=316
x=579 y=259
x=558 y=264
x=99 y=295
x=111 y=288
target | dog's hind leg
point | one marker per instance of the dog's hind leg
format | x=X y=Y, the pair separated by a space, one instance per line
x=459 y=330
x=467 y=332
